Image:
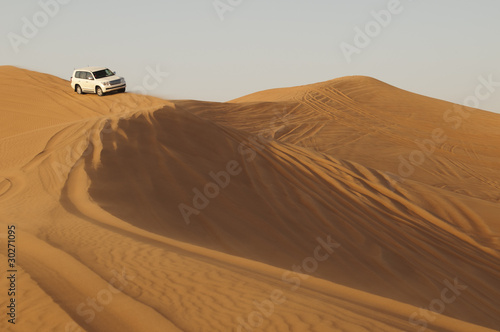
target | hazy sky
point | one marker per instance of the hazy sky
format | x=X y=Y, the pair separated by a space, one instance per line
x=437 y=48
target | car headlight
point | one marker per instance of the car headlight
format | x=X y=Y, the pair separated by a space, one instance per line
x=123 y=80
x=105 y=83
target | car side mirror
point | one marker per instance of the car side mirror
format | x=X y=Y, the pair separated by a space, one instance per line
x=114 y=72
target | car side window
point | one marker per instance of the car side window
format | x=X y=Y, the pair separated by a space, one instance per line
x=78 y=74
x=88 y=76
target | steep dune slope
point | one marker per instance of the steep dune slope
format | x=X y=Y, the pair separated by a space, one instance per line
x=294 y=197
x=99 y=197
x=404 y=135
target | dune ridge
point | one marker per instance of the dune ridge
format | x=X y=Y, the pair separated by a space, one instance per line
x=94 y=186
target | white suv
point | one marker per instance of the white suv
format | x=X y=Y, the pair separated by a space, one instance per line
x=96 y=80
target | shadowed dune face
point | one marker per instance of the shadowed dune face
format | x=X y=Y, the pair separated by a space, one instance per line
x=210 y=208
x=284 y=196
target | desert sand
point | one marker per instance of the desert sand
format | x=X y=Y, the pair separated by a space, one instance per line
x=347 y=205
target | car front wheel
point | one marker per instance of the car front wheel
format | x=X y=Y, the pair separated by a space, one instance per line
x=79 y=90
x=99 y=92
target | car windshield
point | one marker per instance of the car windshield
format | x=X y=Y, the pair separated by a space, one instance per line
x=103 y=73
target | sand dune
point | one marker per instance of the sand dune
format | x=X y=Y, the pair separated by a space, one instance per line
x=199 y=216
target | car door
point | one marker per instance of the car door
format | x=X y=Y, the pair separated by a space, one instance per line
x=77 y=80
x=87 y=81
